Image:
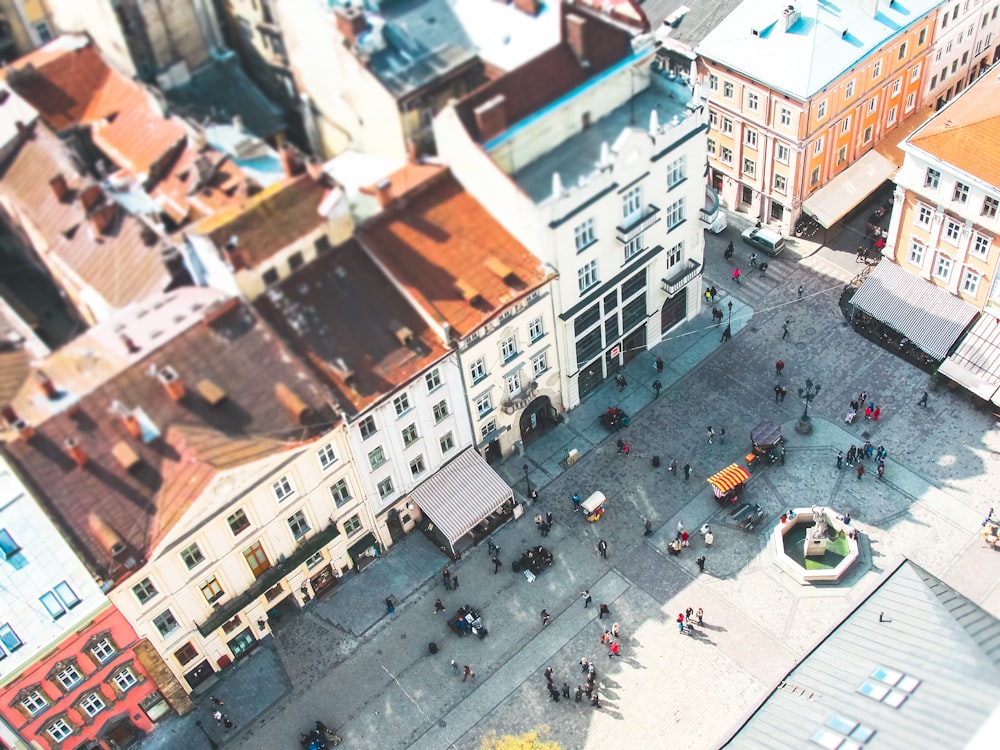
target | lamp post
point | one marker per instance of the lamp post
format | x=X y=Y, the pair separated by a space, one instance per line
x=807 y=394
x=211 y=743
x=527 y=479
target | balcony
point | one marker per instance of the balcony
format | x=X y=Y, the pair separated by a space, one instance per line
x=308 y=547
x=682 y=278
x=712 y=214
x=648 y=218
x=521 y=398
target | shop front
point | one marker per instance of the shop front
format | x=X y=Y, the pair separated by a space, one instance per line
x=324 y=581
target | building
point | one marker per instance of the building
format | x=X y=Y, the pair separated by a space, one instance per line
x=585 y=155
x=966 y=42
x=792 y=137
x=913 y=665
x=479 y=288
x=69 y=666
x=24 y=25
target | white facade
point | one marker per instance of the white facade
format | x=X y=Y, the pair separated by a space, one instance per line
x=45 y=591
x=618 y=221
x=966 y=41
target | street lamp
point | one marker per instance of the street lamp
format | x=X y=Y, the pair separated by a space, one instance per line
x=211 y=743
x=527 y=479
x=807 y=394
x=730 y=315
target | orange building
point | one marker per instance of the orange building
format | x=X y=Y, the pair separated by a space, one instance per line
x=800 y=94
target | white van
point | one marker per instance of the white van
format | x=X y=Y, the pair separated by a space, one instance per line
x=764 y=239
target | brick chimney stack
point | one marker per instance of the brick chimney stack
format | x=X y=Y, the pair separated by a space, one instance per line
x=351 y=23
x=172 y=383
x=60 y=187
x=75 y=451
x=46 y=386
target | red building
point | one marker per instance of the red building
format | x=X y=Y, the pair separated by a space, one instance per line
x=91 y=692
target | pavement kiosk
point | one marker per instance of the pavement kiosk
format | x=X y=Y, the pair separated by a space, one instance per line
x=593 y=507
x=728 y=483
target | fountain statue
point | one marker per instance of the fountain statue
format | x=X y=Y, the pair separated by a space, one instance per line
x=815 y=541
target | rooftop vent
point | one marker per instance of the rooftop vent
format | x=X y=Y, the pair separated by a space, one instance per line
x=46 y=386
x=108 y=538
x=125 y=456
x=469 y=292
x=91 y=196
x=343 y=371
x=24 y=430
x=295 y=405
x=403 y=334
x=171 y=382
x=789 y=16
x=209 y=391
x=501 y=269
x=75 y=451
x=60 y=187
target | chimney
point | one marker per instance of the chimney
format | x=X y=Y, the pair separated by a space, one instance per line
x=60 y=187
x=46 y=386
x=24 y=131
x=172 y=382
x=576 y=29
x=91 y=196
x=104 y=217
x=383 y=192
x=403 y=334
x=501 y=269
x=109 y=539
x=130 y=346
x=132 y=425
x=314 y=168
x=8 y=413
x=290 y=160
x=24 y=430
x=75 y=451
x=295 y=405
x=491 y=117
x=531 y=7
x=125 y=456
x=351 y=22
x=468 y=291
x=789 y=16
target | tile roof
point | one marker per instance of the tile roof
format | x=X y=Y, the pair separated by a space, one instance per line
x=199 y=183
x=966 y=132
x=184 y=442
x=269 y=221
x=441 y=243
x=343 y=315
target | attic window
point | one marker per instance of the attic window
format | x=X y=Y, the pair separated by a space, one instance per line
x=889 y=686
x=8 y=547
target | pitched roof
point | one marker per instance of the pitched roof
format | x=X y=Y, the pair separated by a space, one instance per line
x=965 y=133
x=343 y=315
x=916 y=663
x=183 y=444
x=452 y=256
x=199 y=183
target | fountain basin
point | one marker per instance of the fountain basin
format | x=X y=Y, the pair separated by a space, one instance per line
x=788 y=540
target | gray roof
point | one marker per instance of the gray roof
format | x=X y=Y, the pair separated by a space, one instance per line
x=935 y=656
x=975 y=362
x=702 y=16
x=929 y=316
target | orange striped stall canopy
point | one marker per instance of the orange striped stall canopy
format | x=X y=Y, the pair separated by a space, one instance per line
x=730 y=477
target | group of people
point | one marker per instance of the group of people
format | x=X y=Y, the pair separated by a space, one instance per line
x=683 y=539
x=686 y=620
x=588 y=688
x=872 y=412
x=858 y=454
x=544 y=525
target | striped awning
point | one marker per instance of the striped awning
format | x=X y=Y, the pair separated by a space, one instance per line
x=930 y=317
x=461 y=494
x=732 y=476
x=975 y=363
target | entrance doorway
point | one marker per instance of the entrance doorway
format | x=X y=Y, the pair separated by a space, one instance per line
x=243 y=643
x=746 y=195
x=717 y=181
x=275 y=615
x=590 y=377
x=634 y=344
x=394 y=525
x=199 y=674
x=493 y=454
x=536 y=419
x=674 y=310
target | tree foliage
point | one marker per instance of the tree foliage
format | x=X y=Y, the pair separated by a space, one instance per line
x=528 y=741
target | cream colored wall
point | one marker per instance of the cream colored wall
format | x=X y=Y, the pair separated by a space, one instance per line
x=97 y=18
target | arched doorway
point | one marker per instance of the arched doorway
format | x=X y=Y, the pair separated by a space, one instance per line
x=536 y=419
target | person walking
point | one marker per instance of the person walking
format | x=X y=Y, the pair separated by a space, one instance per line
x=467 y=673
x=699 y=614
x=446 y=577
x=496 y=564
x=538 y=521
x=923 y=400
x=687 y=471
x=602 y=547
x=778 y=367
x=454 y=667
x=438 y=606
x=659 y=362
x=657 y=387
x=777 y=392
x=215 y=701
x=587 y=598
x=565 y=690
x=681 y=528
x=784 y=392
x=548 y=674
x=736 y=275
x=454 y=581
x=784 y=329
x=217 y=715
x=861 y=470
x=227 y=723
x=613 y=649
x=578 y=696
x=673 y=467
x=700 y=562
x=876 y=413
x=753 y=260
x=726 y=334
x=881 y=470
x=802 y=290
x=840 y=460
x=763 y=269
x=604 y=610
x=545 y=617
x=711 y=434
x=647 y=527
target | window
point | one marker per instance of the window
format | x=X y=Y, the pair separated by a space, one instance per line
x=295 y=260
x=713 y=118
x=584 y=234
x=353 y=524
x=981 y=245
x=942 y=268
x=367 y=427
x=634 y=313
x=676 y=172
x=902 y=51
x=340 y=492
x=818 y=146
x=675 y=254
x=924 y=215
x=447 y=442
x=961 y=193
x=842 y=155
x=931 y=178
x=753 y=102
x=433 y=379
x=327 y=456
x=750 y=138
x=401 y=404
x=52 y=605
x=311 y=562
x=440 y=411
x=990 y=207
x=488 y=428
x=821 y=110
x=727 y=125
x=297 y=524
x=780 y=184
x=191 y=556
x=675 y=214
x=125 y=679
x=508 y=348
x=103 y=650
x=165 y=623
x=282 y=489
x=814 y=176
x=186 y=653
x=777 y=211
x=8 y=547
x=727 y=90
x=970 y=282
x=781 y=153
x=632 y=204
x=877 y=70
x=92 y=705
x=9 y=639
x=588 y=345
x=872 y=104
x=34 y=703
x=59 y=730
x=409 y=434
x=587 y=276
x=376 y=457
x=144 y=590
x=633 y=247
x=478 y=370
x=417 y=467
x=44 y=32
x=914 y=73
x=270 y=277
x=535 y=330
x=849 y=89
x=923 y=37
x=539 y=364
x=634 y=284
x=867 y=135
x=897 y=85
x=711 y=146
x=845 y=125
x=69 y=677
x=484 y=405
x=891 y=120
x=785 y=116
x=916 y=254
x=713 y=82
x=952 y=231
x=749 y=167
x=513 y=384
x=256 y=558
x=934 y=80
x=726 y=155
x=238 y=523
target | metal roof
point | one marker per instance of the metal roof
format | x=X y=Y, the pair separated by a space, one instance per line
x=976 y=361
x=930 y=317
x=461 y=494
x=931 y=654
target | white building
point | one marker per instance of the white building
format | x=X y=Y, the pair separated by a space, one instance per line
x=966 y=41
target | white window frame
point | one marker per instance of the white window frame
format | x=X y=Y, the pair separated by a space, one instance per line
x=484 y=405
x=584 y=234
x=980 y=245
x=914 y=73
x=943 y=266
x=821 y=110
x=841 y=155
x=69 y=677
x=916 y=253
x=441 y=411
x=433 y=379
x=750 y=138
x=749 y=167
x=872 y=104
x=410 y=434
x=781 y=153
x=675 y=213
x=897 y=86
x=377 y=457
x=960 y=194
x=633 y=247
x=727 y=125
x=536 y=330
x=893 y=112
x=676 y=172
x=728 y=89
x=845 y=125
x=385 y=488
x=446 y=443
x=513 y=383
x=508 y=348
x=35 y=702
x=539 y=364
x=849 y=89
x=932 y=178
x=104 y=650
x=952 y=231
x=59 y=730
x=924 y=215
x=632 y=205
x=282 y=488
x=818 y=146
x=587 y=276
x=866 y=137
x=970 y=282
x=477 y=370
x=401 y=404
x=726 y=155
x=911 y=102
x=785 y=116
x=877 y=69
x=780 y=183
x=753 y=101
x=417 y=466
x=326 y=456
x=713 y=82
x=991 y=206
x=92 y=705
x=125 y=679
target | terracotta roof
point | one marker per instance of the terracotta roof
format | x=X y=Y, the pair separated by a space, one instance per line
x=343 y=315
x=199 y=183
x=234 y=350
x=553 y=73
x=966 y=132
x=446 y=250
x=269 y=221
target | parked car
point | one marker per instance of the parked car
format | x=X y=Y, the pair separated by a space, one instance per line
x=764 y=239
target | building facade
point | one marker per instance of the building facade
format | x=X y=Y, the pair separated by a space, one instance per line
x=24 y=25
x=966 y=42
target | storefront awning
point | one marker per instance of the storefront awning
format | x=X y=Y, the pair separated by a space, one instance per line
x=845 y=191
x=976 y=362
x=461 y=494
x=732 y=476
x=930 y=317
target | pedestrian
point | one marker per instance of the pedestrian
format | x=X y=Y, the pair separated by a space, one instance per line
x=680 y=627
x=685 y=539
x=548 y=674
x=438 y=606
x=534 y=496
x=390 y=605
x=687 y=471
x=763 y=269
x=446 y=577
x=699 y=615
x=595 y=701
x=881 y=470
x=659 y=364
x=548 y=517
x=711 y=434
x=604 y=611
x=680 y=528
x=215 y=701
x=553 y=693
x=657 y=387
x=802 y=290
x=753 y=260
x=615 y=630
x=726 y=334
x=602 y=547
x=736 y=275
x=647 y=527
x=538 y=520
x=454 y=667
x=496 y=564
x=626 y=449
x=863 y=397
x=673 y=467
x=868 y=412
x=705 y=529
x=584 y=663
x=587 y=598
x=923 y=400
x=709 y=539
x=454 y=581
x=614 y=649
x=861 y=470
x=714 y=292
x=700 y=562
x=467 y=673
x=778 y=367
x=217 y=715
x=840 y=460
x=862 y=254
x=565 y=690
x=620 y=443
x=876 y=413
x=784 y=329
x=777 y=392
x=784 y=392
x=578 y=696
x=227 y=723
x=545 y=528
